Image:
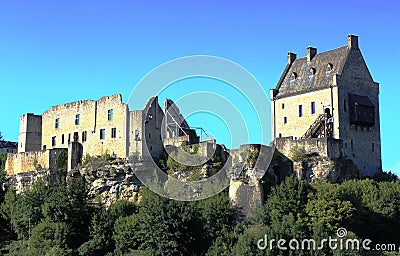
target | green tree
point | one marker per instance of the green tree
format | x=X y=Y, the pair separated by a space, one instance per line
x=47 y=235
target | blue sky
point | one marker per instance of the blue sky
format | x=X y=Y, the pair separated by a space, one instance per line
x=54 y=52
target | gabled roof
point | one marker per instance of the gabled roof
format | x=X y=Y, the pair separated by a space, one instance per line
x=303 y=82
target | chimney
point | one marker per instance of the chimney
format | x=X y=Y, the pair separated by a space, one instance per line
x=311 y=51
x=291 y=57
x=352 y=41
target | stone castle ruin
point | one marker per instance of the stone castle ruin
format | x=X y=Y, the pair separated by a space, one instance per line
x=90 y=127
x=325 y=123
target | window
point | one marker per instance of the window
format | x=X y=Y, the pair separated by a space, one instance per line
x=53 y=141
x=373 y=147
x=84 y=136
x=113 y=132
x=313 y=107
x=285 y=120
x=293 y=78
x=280 y=135
x=77 y=119
x=300 y=110
x=62 y=139
x=102 y=134
x=149 y=135
x=151 y=148
x=110 y=114
x=69 y=138
x=57 y=123
x=312 y=72
x=328 y=69
x=283 y=105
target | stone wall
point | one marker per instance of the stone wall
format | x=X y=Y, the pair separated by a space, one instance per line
x=361 y=144
x=31 y=161
x=30 y=133
x=297 y=126
x=93 y=118
x=326 y=147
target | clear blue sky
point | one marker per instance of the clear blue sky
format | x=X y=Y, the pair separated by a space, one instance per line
x=54 y=52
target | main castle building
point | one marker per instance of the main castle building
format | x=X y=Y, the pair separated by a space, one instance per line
x=330 y=95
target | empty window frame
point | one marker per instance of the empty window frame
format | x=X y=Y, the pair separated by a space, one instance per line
x=110 y=114
x=102 y=134
x=313 y=107
x=113 y=133
x=77 y=119
x=300 y=110
x=84 y=136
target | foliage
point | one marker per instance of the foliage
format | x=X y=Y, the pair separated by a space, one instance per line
x=106 y=156
x=297 y=154
x=63 y=221
x=61 y=161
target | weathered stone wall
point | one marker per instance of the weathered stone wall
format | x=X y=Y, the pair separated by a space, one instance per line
x=361 y=144
x=93 y=117
x=31 y=161
x=135 y=133
x=30 y=133
x=297 y=126
x=153 y=116
x=326 y=147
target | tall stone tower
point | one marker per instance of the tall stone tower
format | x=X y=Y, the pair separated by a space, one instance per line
x=331 y=95
x=30 y=133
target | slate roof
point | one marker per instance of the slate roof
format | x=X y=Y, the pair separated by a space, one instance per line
x=321 y=79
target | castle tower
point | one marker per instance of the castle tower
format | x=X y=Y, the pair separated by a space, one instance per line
x=331 y=95
x=30 y=133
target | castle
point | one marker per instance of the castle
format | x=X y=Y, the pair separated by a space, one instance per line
x=329 y=101
x=325 y=102
x=97 y=127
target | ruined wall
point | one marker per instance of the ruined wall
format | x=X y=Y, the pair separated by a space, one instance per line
x=360 y=144
x=30 y=133
x=152 y=118
x=86 y=128
x=289 y=107
x=135 y=133
x=31 y=161
x=325 y=147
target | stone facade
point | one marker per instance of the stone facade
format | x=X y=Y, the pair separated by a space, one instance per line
x=94 y=128
x=331 y=86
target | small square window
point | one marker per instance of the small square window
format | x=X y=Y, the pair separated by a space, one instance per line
x=57 y=123
x=77 y=119
x=110 y=114
x=113 y=132
x=102 y=134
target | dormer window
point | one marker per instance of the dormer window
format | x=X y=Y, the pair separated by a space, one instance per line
x=293 y=77
x=312 y=72
x=329 y=69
